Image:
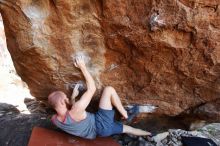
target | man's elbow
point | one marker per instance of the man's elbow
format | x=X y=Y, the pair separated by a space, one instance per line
x=92 y=89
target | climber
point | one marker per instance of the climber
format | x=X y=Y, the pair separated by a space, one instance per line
x=77 y=121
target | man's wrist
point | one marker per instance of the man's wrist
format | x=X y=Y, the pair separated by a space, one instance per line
x=83 y=67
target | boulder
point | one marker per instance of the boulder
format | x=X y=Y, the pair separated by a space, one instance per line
x=164 y=53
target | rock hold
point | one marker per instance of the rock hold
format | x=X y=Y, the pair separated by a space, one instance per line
x=156 y=22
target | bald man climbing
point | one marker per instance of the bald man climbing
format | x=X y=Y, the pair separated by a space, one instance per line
x=77 y=121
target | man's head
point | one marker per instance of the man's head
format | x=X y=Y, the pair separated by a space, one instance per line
x=58 y=100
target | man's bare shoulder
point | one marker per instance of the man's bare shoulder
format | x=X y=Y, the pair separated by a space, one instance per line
x=77 y=116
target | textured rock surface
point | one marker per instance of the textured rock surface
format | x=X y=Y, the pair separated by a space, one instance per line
x=210 y=110
x=166 y=53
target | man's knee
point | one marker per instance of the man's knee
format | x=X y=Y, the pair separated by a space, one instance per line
x=109 y=89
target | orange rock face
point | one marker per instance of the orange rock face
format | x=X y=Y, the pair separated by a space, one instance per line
x=166 y=53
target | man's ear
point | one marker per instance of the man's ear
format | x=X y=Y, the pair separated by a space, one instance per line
x=67 y=101
x=68 y=104
x=63 y=102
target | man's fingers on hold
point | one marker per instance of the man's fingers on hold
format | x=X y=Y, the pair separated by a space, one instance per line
x=81 y=58
x=75 y=64
x=77 y=58
x=77 y=86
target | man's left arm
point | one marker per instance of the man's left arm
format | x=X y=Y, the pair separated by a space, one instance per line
x=85 y=99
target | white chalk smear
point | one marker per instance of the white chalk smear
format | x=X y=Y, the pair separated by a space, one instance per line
x=145 y=108
x=156 y=19
x=113 y=66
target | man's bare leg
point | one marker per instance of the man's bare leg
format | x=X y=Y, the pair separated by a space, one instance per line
x=110 y=97
x=130 y=130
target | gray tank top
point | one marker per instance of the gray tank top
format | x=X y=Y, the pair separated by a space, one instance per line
x=85 y=128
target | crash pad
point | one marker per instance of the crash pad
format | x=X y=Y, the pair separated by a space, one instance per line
x=46 y=137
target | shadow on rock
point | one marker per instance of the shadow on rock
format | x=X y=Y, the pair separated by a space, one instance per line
x=16 y=127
